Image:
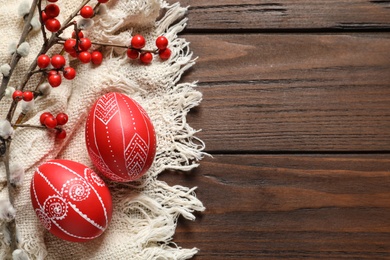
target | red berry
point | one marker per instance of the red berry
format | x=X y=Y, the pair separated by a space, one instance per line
x=162 y=42
x=165 y=54
x=84 y=57
x=43 y=61
x=86 y=11
x=69 y=73
x=102 y=1
x=52 y=10
x=17 y=95
x=62 y=119
x=85 y=44
x=28 y=96
x=58 y=61
x=44 y=16
x=69 y=45
x=50 y=122
x=44 y=116
x=53 y=1
x=132 y=54
x=53 y=25
x=146 y=57
x=61 y=134
x=55 y=80
x=81 y=34
x=138 y=41
x=97 y=57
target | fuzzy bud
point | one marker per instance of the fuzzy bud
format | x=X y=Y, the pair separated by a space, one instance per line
x=23 y=49
x=27 y=106
x=102 y=10
x=12 y=48
x=9 y=91
x=44 y=89
x=35 y=23
x=7 y=211
x=5 y=69
x=17 y=174
x=19 y=254
x=18 y=236
x=84 y=24
x=6 y=130
x=24 y=8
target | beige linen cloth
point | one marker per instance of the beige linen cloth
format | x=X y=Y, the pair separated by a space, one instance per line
x=145 y=211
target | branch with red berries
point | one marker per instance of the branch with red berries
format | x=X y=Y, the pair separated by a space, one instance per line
x=51 y=66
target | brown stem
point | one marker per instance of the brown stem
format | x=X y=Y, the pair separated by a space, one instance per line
x=42 y=23
x=117 y=46
x=28 y=125
x=96 y=8
x=123 y=46
x=11 y=226
x=12 y=110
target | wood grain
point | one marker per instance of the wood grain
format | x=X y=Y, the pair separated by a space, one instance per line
x=289 y=206
x=287 y=14
x=296 y=113
x=294 y=92
x=315 y=59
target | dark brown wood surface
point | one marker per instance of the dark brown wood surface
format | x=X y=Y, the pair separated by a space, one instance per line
x=206 y=15
x=296 y=114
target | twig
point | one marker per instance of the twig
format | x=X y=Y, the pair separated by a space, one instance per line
x=41 y=20
x=118 y=46
x=12 y=224
x=31 y=126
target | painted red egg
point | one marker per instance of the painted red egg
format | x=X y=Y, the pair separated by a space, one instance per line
x=120 y=137
x=71 y=200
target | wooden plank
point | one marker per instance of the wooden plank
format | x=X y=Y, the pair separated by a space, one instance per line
x=315 y=59
x=287 y=14
x=284 y=206
x=292 y=92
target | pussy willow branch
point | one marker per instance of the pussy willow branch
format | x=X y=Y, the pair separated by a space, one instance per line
x=16 y=57
x=11 y=225
x=48 y=43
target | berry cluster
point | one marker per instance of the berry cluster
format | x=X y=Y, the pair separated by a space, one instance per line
x=138 y=42
x=25 y=95
x=49 y=17
x=57 y=63
x=50 y=13
x=79 y=47
x=47 y=119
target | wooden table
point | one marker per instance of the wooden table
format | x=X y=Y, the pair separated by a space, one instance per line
x=296 y=114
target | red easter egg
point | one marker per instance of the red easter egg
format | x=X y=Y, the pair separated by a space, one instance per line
x=120 y=137
x=71 y=200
